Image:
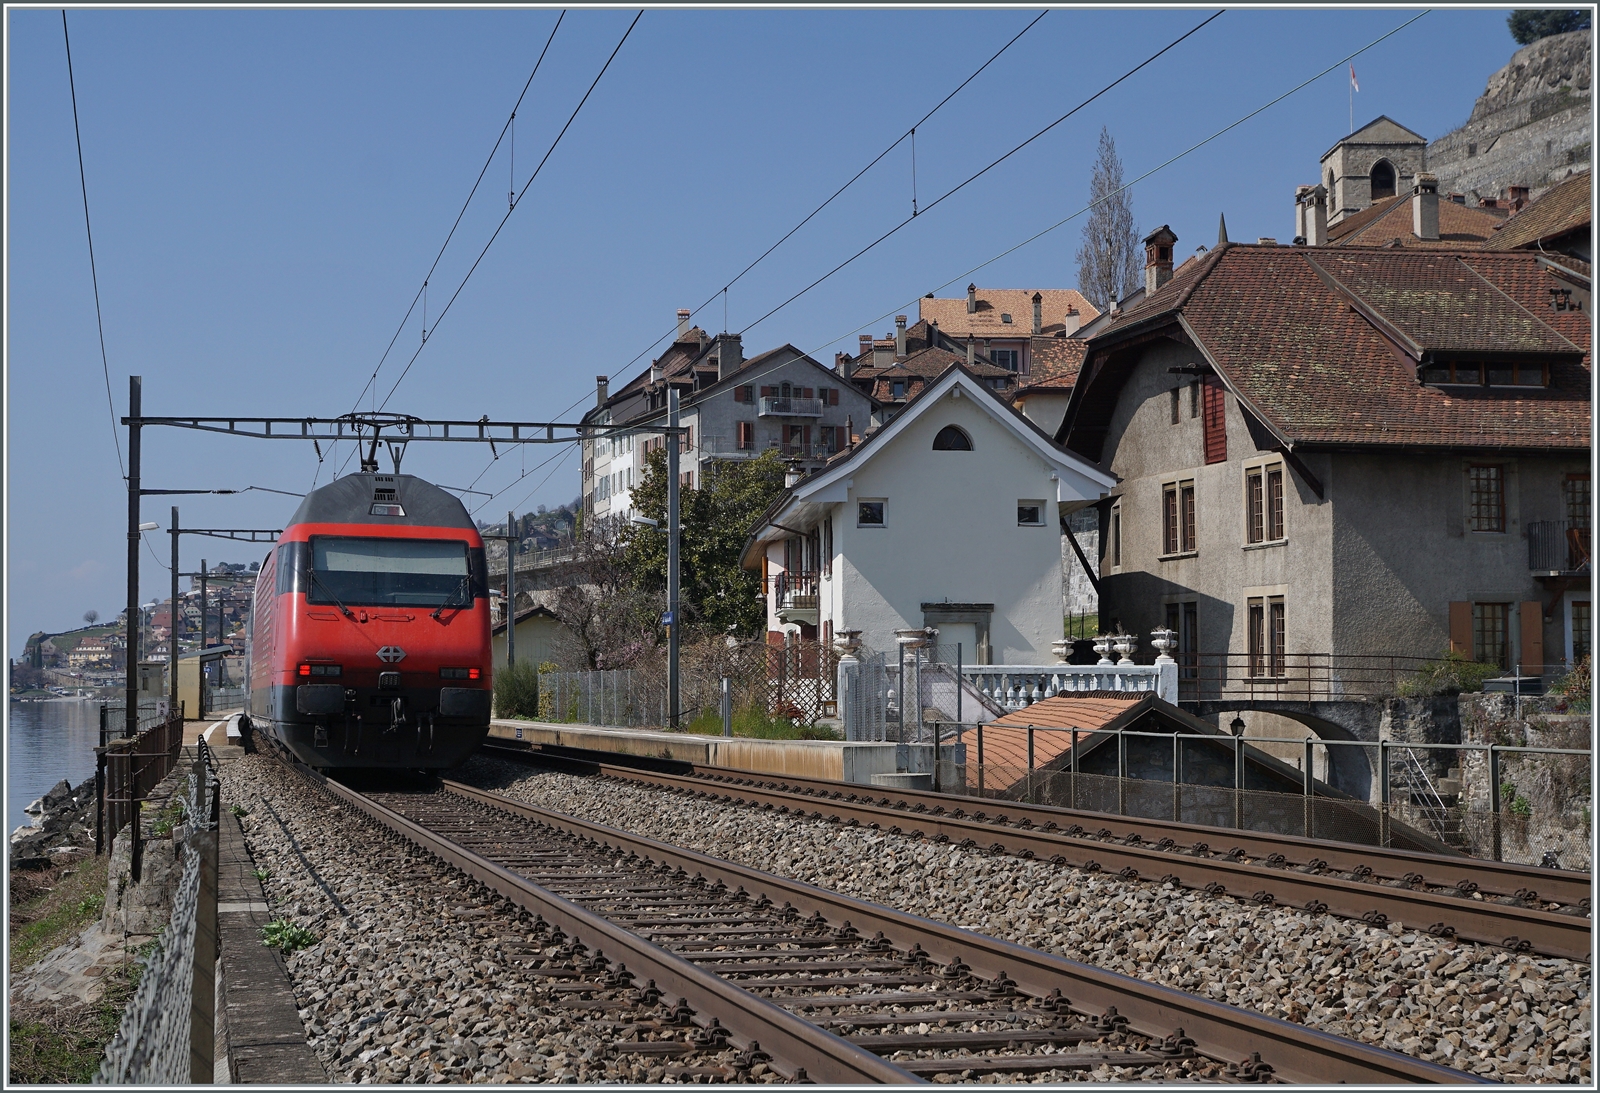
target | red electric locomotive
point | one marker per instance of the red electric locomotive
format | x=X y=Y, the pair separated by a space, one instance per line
x=369 y=642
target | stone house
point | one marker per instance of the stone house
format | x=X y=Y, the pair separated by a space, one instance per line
x=947 y=516
x=734 y=409
x=1345 y=451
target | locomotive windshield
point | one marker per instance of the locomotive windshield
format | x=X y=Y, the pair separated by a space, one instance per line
x=389 y=572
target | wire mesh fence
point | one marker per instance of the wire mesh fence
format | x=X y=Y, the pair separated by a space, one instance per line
x=619 y=698
x=1527 y=805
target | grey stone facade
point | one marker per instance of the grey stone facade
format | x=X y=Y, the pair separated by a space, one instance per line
x=1081 y=598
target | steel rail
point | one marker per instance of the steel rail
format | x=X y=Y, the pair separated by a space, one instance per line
x=1440 y=870
x=1511 y=926
x=1295 y=1053
x=791 y=1041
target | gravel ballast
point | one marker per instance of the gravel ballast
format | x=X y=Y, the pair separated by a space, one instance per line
x=413 y=977
x=1482 y=1009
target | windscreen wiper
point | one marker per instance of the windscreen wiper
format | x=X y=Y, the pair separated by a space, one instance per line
x=450 y=599
x=316 y=580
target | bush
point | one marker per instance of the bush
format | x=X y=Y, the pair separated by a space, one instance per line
x=1453 y=674
x=1576 y=686
x=286 y=936
x=516 y=690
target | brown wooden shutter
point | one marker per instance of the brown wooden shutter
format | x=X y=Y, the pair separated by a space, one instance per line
x=833 y=396
x=1216 y=421
x=1461 y=628
x=766 y=392
x=1532 y=638
x=808 y=394
x=805 y=437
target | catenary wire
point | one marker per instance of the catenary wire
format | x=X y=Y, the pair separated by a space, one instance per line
x=451 y=235
x=560 y=453
x=496 y=458
x=94 y=276
x=520 y=194
x=545 y=479
x=981 y=172
x=1126 y=186
x=723 y=292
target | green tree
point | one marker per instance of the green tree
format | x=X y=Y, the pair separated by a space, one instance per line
x=1530 y=24
x=716 y=595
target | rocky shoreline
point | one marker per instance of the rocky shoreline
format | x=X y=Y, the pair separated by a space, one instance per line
x=62 y=829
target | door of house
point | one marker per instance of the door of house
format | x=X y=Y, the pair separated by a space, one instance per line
x=1579 y=625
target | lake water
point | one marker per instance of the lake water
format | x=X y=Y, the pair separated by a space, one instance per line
x=46 y=742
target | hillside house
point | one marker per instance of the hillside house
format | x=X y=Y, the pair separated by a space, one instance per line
x=948 y=516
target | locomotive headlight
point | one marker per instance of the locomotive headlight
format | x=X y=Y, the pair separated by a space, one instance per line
x=321 y=670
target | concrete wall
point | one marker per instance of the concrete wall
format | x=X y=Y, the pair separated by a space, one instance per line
x=539 y=640
x=1403 y=550
x=1147 y=451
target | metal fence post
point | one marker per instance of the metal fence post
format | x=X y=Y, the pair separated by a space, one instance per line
x=1177 y=794
x=1309 y=821
x=980 y=759
x=1072 y=782
x=1383 y=793
x=1238 y=781
x=1122 y=774
x=1494 y=789
x=727 y=706
x=936 y=756
x=1030 y=762
x=958 y=683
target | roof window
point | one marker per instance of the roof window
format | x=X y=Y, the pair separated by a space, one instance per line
x=1005 y=316
x=952 y=439
x=1484 y=373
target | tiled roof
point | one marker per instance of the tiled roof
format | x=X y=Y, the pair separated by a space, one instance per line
x=1564 y=207
x=1294 y=346
x=1005 y=740
x=1389 y=219
x=1055 y=361
x=986 y=322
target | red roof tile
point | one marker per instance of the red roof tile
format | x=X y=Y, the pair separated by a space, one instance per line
x=1563 y=208
x=1389 y=219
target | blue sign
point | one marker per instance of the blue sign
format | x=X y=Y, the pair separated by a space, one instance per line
x=666 y=618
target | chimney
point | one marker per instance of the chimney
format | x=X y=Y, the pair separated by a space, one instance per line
x=1038 y=313
x=655 y=370
x=683 y=323
x=844 y=364
x=1266 y=241
x=883 y=352
x=972 y=298
x=971 y=352
x=602 y=386
x=1158 y=258
x=900 y=337
x=864 y=352
x=1302 y=195
x=1072 y=321
x=1519 y=198
x=1425 y=207
x=1317 y=217
x=730 y=355
x=850 y=430
x=933 y=334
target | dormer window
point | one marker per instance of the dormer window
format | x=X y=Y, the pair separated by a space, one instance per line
x=1005 y=316
x=1484 y=373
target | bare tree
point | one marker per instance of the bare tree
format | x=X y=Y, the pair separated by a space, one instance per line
x=1108 y=261
x=91 y=617
x=609 y=621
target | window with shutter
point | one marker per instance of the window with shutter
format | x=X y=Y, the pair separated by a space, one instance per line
x=833 y=396
x=1215 y=421
x=766 y=392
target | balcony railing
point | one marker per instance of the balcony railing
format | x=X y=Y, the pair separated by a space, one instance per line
x=790 y=407
x=1557 y=548
x=1296 y=677
x=795 y=591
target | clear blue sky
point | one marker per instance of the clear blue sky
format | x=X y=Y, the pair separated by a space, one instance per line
x=268 y=188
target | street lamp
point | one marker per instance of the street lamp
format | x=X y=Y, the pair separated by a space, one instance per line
x=644 y=521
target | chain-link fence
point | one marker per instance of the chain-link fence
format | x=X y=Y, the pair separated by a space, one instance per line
x=166 y=1033
x=620 y=698
x=1519 y=804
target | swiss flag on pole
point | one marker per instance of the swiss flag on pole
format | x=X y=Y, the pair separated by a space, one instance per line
x=1353 y=85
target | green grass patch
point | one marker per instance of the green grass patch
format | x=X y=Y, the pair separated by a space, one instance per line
x=286 y=936
x=1080 y=626
x=756 y=724
x=60 y=904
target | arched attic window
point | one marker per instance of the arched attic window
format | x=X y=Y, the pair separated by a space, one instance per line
x=1382 y=180
x=952 y=439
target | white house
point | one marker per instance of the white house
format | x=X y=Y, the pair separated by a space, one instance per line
x=948 y=516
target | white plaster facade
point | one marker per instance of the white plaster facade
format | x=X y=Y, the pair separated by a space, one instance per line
x=953 y=550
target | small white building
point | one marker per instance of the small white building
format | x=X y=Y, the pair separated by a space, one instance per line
x=949 y=516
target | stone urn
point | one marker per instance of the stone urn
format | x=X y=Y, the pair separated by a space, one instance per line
x=1125 y=644
x=1165 y=641
x=1062 y=650
x=1102 y=645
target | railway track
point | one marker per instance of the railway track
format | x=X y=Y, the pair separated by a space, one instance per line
x=1522 y=908
x=700 y=955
